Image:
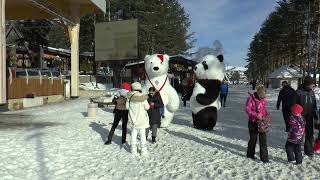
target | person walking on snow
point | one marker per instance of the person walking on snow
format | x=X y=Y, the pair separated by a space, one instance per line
x=138 y=105
x=120 y=112
x=257 y=111
x=306 y=98
x=223 y=93
x=295 y=135
x=287 y=96
x=155 y=103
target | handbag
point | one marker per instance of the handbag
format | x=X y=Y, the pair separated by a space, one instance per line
x=263 y=124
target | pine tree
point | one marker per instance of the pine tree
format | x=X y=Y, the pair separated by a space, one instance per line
x=284 y=38
x=58 y=37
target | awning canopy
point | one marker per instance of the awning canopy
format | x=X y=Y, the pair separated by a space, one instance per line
x=67 y=10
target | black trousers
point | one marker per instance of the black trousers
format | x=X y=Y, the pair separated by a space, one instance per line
x=294 y=152
x=308 y=141
x=118 y=115
x=253 y=132
x=154 y=130
x=223 y=99
x=184 y=101
x=286 y=112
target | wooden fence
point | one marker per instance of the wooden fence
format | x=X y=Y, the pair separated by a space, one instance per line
x=20 y=88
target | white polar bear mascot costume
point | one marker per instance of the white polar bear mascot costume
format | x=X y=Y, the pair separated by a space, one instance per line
x=156 y=67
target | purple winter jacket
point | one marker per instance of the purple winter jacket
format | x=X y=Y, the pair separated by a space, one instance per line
x=297 y=128
x=251 y=108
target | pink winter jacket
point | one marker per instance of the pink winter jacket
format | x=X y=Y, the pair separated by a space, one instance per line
x=251 y=109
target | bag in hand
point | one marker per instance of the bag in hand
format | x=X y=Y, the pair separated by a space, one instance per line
x=263 y=124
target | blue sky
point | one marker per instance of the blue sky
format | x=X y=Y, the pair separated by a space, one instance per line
x=232 y=22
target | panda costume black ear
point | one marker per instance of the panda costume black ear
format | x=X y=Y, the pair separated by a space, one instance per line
x=220 y=57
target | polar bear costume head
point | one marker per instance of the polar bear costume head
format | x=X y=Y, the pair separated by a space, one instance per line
x=156 y=64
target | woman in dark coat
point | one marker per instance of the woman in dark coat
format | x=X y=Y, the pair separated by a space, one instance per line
x=155 y=102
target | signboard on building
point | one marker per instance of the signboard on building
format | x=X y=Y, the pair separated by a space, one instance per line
x=116 y=40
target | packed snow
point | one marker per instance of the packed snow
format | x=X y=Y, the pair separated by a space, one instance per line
x=233 y=68
x=92 y=86
x=58 y=142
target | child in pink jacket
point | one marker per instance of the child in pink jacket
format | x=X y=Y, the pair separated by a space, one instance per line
x=256 y=110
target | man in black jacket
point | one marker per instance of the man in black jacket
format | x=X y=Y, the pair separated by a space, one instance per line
x=306 y=98
x=287 y=97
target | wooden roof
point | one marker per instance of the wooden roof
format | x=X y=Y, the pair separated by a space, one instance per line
x=67 y=10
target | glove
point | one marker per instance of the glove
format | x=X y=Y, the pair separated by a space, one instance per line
x=151 y=105
x=259 y=117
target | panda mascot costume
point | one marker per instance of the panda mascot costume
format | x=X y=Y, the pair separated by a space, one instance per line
x=205 y=101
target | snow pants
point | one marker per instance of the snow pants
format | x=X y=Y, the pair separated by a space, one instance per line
x=134 y=136
x=286 y=112
x=294 y=152
x=253 y=132
x=154 y=130
x=119 y=114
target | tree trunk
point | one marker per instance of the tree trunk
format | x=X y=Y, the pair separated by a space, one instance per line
x=117 y=66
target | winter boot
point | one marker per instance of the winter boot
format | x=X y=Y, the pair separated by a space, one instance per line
x=107 y=142
x=144 y=151
x=153 y=139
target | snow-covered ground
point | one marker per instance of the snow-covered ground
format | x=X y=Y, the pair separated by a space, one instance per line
x=92 y=86
x=59 y=142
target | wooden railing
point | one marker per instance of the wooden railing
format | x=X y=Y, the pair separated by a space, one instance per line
x=21 y=87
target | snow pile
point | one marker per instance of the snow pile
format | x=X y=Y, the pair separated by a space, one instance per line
x=58 y=142
x=286 y=71
x=92 y=86
x=233 y=68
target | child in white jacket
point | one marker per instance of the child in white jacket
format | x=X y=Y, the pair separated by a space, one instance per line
x=138 y=105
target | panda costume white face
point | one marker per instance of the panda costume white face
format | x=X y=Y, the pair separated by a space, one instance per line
x=210 y=67
x=205 y=101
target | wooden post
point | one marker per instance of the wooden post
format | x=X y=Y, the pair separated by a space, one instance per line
x=3 y=76
x=74 y=41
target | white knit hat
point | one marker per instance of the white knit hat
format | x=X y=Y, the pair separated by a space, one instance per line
x=123 y=92
x=136 y=86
